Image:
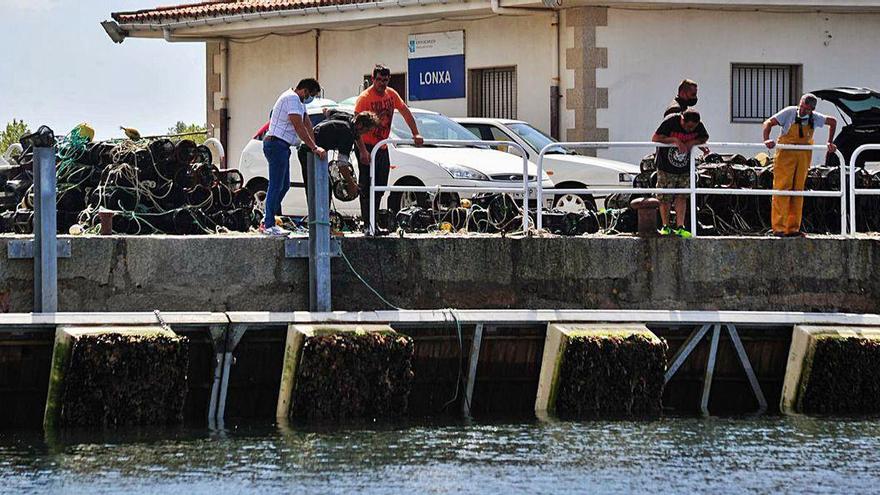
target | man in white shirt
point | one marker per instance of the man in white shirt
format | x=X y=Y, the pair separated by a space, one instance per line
x=289 y=125
x=790 y=167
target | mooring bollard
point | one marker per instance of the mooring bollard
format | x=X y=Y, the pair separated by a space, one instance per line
x=647 y=210
x=106 y=217
x=45 y=221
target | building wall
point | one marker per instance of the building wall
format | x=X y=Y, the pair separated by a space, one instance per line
x=259 y=71
x=649 y=53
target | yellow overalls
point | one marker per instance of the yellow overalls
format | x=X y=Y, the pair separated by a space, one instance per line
x=790 y=169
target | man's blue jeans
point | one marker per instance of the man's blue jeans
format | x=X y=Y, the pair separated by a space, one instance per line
x=278 y=155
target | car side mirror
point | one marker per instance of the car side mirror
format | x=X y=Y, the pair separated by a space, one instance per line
x=513 y=150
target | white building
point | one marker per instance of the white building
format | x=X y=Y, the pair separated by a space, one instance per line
x=576 y=70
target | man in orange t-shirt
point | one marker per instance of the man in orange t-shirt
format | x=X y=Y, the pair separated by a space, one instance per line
x=383 y=101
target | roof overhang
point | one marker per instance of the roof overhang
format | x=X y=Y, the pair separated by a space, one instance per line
x=382 y=12
x=250 y=24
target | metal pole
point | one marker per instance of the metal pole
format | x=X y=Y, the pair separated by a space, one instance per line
x=747 y=367
x=472 y=370
x=843 y=214
x=693 y=187
x=373 y=205
x=319 y=234
x=540 y=196
x=525 y=222
x=710 y=370
x=45 y=232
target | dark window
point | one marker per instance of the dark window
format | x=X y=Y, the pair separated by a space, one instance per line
x=479 y=130
x=492 y=93
x=757 y=91
x=398 y=83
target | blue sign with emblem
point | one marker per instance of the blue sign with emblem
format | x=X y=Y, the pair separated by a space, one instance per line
x=436 y=66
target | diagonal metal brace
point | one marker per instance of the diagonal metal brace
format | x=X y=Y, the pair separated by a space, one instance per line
x=685 y=351
x=747 y=366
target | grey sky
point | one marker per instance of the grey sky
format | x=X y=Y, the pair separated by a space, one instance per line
x=60 y=68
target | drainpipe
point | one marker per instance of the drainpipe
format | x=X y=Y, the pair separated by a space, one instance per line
x=224 y=95
x=556 y=85
x=317 y=54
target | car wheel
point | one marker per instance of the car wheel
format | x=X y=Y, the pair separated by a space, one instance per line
x=574 y=203
x=258 y=187
x=404 y=199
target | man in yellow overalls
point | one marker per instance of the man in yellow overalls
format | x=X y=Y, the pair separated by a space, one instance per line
x=790 y=167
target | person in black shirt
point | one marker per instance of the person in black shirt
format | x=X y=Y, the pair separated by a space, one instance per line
x=683 y=131
x=687 y=97
x=340 y=131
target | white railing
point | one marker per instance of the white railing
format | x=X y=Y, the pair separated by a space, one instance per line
x=438 y=188
x=853 y=191
x=693 y=190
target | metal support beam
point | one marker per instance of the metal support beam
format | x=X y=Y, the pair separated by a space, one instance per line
x=319 y=233
x=45 y=232
x=233 y=337
x=710 y=370
x=472 y=370
x=23 y=249
x=684 y=351
x=225 y=339
x=218 y=338
x=747 y=366
x=301 y=248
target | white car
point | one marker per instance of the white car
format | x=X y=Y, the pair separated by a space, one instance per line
x=567 y=169
x=429 y=165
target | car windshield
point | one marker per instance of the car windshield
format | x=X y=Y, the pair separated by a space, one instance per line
x=431 y=126
x=535 y=138
x=856 y=106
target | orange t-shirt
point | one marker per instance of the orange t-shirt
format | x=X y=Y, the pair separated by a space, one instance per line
x=383 y=106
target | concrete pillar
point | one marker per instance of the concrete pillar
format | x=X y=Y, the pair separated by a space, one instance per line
x=601 y=370
x=832 y=370
x=114 y=375
x=344 y=372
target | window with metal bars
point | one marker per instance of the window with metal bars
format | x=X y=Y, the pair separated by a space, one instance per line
x=492 y=93
x=758 y=91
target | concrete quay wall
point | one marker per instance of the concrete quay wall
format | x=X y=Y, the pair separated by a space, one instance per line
x=250 y=273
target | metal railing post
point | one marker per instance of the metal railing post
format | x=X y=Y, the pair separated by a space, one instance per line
x=45 y=232
x=843 y=210
x=373 y=184
x=692 y=199
x=853 y=192
x=319 y=234
x=525 y=215
x=539 y=220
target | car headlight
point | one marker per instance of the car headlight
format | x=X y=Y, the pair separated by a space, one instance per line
x=462 y=172
x=626 y=177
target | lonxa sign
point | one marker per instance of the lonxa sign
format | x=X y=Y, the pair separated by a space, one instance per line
x=436 y=66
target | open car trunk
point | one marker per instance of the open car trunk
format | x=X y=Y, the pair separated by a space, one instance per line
x=861 y=107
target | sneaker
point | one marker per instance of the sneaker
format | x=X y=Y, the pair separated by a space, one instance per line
x=274 y=231
x=684 y=234
x=665 y=230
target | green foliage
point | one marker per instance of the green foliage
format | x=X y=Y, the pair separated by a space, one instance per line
x=183 y=128
x=13 y=132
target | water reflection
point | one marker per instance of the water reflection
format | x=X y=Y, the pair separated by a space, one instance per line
x=672 y=454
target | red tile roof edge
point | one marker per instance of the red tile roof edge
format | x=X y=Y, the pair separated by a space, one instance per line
x=218 y=8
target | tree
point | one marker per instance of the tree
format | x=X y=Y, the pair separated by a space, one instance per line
x=13 y=132
x=182 y=128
